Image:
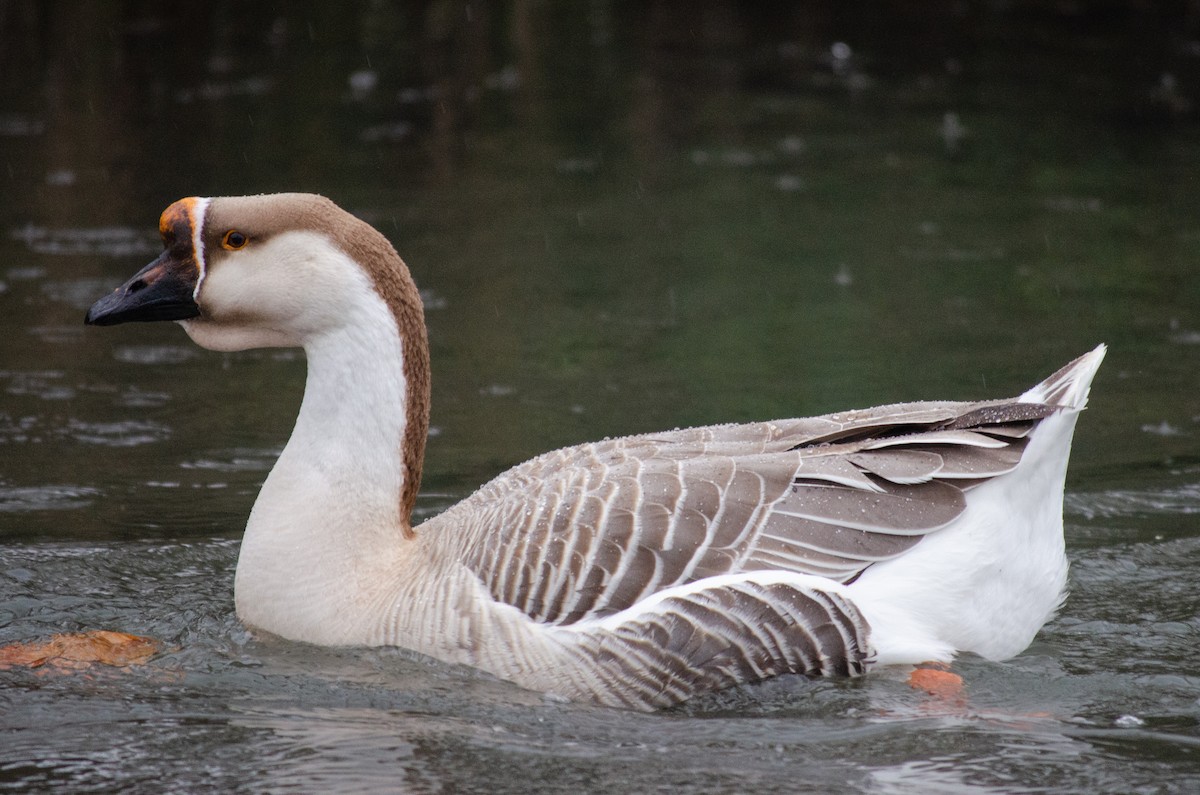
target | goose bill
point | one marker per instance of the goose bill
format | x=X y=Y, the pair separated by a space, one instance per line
x=163 y=290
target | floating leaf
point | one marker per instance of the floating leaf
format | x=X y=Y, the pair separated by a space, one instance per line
x=80 y=650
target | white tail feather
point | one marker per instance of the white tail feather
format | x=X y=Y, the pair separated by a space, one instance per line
x=1069 y=386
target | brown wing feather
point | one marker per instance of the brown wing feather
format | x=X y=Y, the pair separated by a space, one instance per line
x=588 y=531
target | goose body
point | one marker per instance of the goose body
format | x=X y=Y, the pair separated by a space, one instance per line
x=631 y=572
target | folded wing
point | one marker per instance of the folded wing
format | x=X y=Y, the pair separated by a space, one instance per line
x=588 y=531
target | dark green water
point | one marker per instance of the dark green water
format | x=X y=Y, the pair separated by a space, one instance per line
x=623 y=218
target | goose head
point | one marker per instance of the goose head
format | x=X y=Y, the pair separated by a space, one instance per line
x=264 y=271
x=284 y=270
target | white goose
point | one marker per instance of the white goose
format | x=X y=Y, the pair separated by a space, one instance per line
x=632 y=572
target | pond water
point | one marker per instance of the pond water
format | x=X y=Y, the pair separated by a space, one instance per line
x=622 y=218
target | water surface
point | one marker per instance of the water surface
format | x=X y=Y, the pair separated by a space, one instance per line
x=622 y=219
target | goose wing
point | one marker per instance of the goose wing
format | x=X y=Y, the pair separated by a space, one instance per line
x=590 y=530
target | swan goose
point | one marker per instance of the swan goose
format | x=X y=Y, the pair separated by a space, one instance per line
x=633 y=572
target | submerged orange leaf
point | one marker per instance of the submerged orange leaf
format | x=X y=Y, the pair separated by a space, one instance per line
x=938 y=683
x=78 y=650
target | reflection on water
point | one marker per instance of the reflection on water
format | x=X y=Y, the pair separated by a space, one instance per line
x=45 y=498
x=1180 y=499
x=106 y=242
x=154 y=354
x=622 y=218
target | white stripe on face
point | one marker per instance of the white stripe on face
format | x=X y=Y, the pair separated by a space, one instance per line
x=199 y=210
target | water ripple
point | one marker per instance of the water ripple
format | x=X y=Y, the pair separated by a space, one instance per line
x=45 y=384
x=19 y=125
x=111 y=241
x=20 y=499
x=126 y=433
x=238 y=459
x=1117 y=503
x=153 y=354
x=77 y=293
x=135 y=397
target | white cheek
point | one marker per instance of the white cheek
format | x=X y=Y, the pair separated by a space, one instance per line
x=292 y=288
x=250 y=288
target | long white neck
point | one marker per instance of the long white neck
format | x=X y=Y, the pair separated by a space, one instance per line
x=327 y=523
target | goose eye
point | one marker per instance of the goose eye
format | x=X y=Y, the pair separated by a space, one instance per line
x=234 y=240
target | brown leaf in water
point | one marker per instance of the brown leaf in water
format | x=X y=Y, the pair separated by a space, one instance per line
x=79 y=650
x=937 y=682
x=943 y=694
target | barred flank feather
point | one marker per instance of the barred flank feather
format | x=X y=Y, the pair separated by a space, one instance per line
x=715 y=637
